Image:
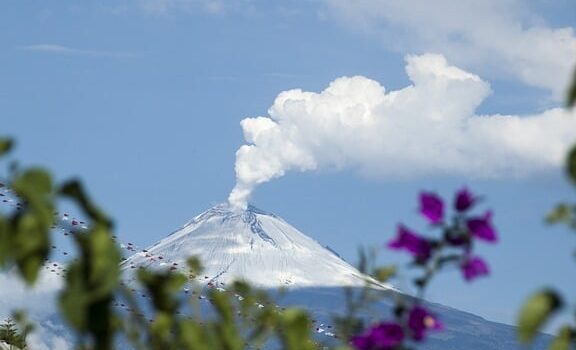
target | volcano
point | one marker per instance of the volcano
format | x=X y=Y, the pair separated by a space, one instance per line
x=264 y=250
x=251 y=245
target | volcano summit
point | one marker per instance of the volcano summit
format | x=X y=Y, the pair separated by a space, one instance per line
x=252 y=245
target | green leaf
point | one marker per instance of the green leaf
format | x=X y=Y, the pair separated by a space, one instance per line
x=562 y=212
x=91 y=282
x=30 y=244
x=162 y=325
x=222 y=305
x=75 y=190
x=74 y=299
x=5 y=241
x=195 y=266
x=105 y=259
x=162 y=286
x=192 y=336
x=383 y=274
x=225 y=327
x=563 y=339
x=33 y=182
x=295 y=330
x=535 y=312
x=571 y=164
x=6 y=145
x=571 y=100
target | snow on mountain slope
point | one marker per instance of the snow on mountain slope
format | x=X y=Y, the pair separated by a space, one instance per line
x=252 y=245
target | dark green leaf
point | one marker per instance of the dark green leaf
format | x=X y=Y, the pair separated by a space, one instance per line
x=571 y=164
x=5 y=241
x=74 y=299
x=6 y=145
x=571 y=100
x=535 y=312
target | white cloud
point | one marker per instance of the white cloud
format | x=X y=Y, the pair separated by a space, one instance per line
x=428 y=128
x=45 y=337
x=14 y=294
x=64 y=50
x=40 y=304
x=494 y=37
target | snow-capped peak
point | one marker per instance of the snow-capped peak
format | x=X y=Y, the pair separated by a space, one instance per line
x=252 y=245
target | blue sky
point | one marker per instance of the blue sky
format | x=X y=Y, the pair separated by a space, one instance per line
x=143 y=101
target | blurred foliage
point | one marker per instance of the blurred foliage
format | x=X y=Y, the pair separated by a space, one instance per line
x=571 y=98
x=542 y=306
x=563 y=213
x=536 y=312
x=26 y=234
x=564 y=340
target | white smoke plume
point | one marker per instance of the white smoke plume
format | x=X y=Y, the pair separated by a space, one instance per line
x=427 y=128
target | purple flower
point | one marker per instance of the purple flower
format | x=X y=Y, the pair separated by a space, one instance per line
x=420 y=321
x=431 y=206
x=481 y=227
x=464 y=200
x=474 y=267
x=382 y=336
x=415 y=244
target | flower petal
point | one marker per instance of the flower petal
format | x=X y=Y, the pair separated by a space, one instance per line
x=415 y=244
x=431 y=207
x=474 y=267
x=464 y=200
x=384 y=335
x=481 y=227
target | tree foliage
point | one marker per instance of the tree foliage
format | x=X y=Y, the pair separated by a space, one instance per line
x=12 y=336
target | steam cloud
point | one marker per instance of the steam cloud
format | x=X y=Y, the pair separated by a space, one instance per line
x=427 y=128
